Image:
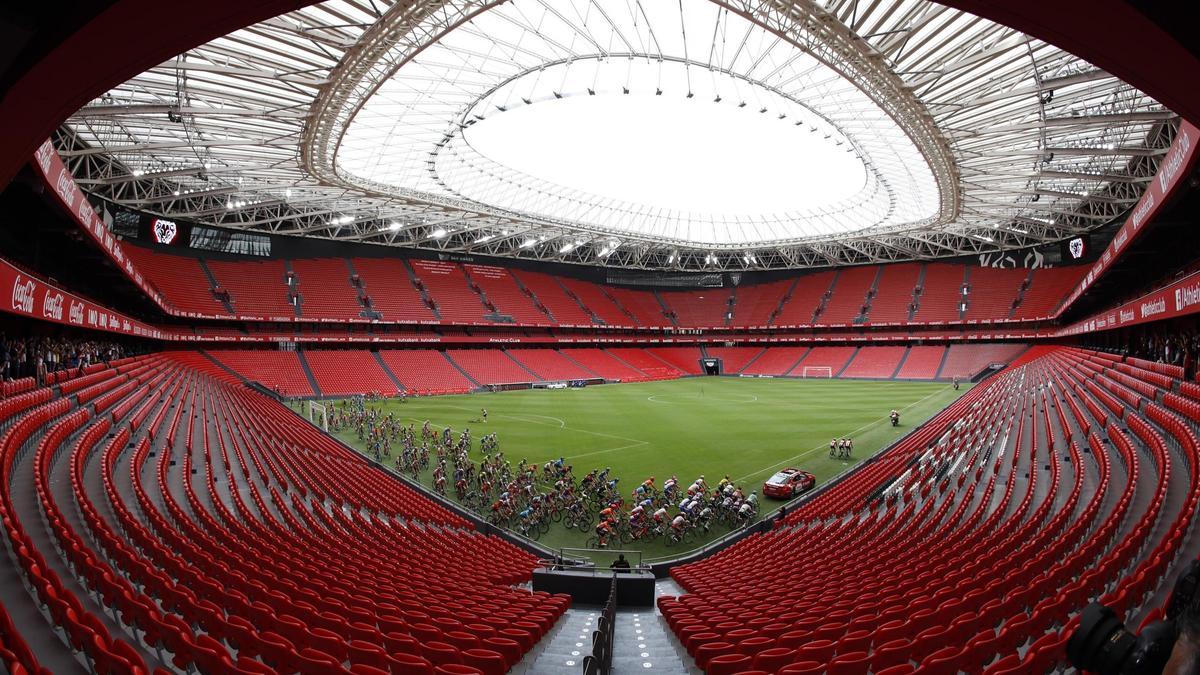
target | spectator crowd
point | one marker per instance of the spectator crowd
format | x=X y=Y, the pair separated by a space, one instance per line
x=39 y=357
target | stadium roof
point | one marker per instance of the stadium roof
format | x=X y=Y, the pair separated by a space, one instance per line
x=690 y=135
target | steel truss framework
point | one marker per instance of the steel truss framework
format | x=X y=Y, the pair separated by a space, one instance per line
x=1035 y=144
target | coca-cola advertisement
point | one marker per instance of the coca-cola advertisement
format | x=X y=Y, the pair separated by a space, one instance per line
x=37 y=299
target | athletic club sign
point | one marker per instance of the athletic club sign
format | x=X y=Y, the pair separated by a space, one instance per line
x=164 y=230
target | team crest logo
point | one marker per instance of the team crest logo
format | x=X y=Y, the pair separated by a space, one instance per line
x=1076 y=248
x=165 y=231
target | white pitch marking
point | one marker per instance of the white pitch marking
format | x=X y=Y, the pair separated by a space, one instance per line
x=820 y=447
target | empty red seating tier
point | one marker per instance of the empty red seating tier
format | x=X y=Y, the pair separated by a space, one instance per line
x=342 y=372
x=1048 y=290
x=502 y=290
x=593 y=297
x=203 y=538
x=565 y=309
x=686 y=359
x=425 y=371
x=993 y=292
x=804 y=300
x=922 y=363
x=910 y=559
x=757 y=303
x=391 y=290
x=875 y=362
x=819 y=359
x=967 y=360
x=550 y=364
x=895 y=294
x=941 y=294
x=733 y=359
x=180 y=279
x=257 y=288
x=849 y=295
x=643 y=305
x=325 y=290
x=605 y=365
x=776 y=361
x=654 y=368
x=274 y=369
x=698 y=308
x=447 y=286
x=491 y=366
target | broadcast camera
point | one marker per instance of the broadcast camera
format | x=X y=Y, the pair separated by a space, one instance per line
x=1103 y=645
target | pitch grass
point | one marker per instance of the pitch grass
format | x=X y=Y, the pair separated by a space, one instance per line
x=742 y=427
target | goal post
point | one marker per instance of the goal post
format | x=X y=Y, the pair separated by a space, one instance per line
x=818 y=371
x=318 y=409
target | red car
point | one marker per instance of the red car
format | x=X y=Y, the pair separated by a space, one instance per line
x=789 y=483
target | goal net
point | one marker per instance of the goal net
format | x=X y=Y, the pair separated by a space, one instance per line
x=818 y=371
x=317 y=410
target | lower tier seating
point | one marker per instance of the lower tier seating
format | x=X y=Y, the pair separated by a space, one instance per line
x=1062 y=472
x=167 y=518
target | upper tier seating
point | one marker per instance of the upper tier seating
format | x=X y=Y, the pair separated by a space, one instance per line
x=891 y=304
x=849 y=295
x=876 y=362
x=1048 y=289
x=447 y=286
x=605 y=365
x=186 y=522
x=776 y=361
x=181 y=280
x=502 y=290
x=643 y=305
x=922 y=363
x=565 y=309
x=733 y=359
x=820 y=358
x=391 y=290
x=550 y=364
x=966 y=360
x=425 y=371
x=324 y=286
x=686 y=359
x=257 y=288
x=757 y=303
x=941 y=294
x=491 y=366
x=342 y=372
x=594 y=298
x=698 y=308
x=993 y=292
x=276 y=370
x=805 y=298
x=910 y=561
x=329 y=294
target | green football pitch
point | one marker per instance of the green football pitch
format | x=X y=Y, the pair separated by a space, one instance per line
x=713 y=426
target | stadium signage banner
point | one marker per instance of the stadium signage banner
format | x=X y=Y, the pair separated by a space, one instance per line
x=37 y=299
x=1178 y=299
x=1175 y=166
x=62 y=184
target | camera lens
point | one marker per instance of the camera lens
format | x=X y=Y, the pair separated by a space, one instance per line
x=1101 y=644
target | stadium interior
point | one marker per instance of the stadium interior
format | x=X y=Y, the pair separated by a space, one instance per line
x=252 y=246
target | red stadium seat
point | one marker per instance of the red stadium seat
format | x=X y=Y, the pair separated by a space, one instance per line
x=802 y=668
x=728 y=664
